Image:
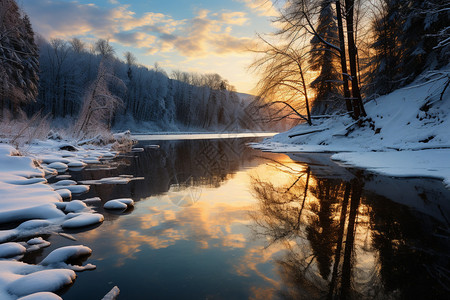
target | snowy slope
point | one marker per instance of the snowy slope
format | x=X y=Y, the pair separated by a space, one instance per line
x=408 y=134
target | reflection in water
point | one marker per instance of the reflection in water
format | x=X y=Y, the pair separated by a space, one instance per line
x=217 y=220
x=346 y=242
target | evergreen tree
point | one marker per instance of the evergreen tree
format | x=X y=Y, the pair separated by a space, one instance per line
x=324 y=59
x=19 y=64
x=407 y=38
x=386 y=28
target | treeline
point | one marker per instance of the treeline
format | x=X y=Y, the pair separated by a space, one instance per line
x=94 y=86
x=185 y=100
x=331 y=56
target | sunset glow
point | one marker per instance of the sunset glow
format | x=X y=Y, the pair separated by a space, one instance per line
x=200 y=36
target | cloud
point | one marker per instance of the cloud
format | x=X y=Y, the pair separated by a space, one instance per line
x=205 y=34
x=234 y=18
x=261 y=7
x=137 y=39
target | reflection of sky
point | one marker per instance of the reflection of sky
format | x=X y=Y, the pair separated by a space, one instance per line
x=212 y=233
x=198 y=241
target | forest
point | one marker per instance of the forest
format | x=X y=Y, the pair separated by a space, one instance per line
x=60 y=79
x=331 y=57
x=326 y=57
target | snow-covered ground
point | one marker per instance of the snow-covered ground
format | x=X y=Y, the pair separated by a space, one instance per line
x=31 y=208
x=409 y=135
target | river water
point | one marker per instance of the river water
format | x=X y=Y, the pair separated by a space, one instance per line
x=215 y=219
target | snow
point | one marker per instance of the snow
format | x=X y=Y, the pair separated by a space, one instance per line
x=112 y=294
x=11 y=250
x=74 y=189
x=27 y=199
x=65 y=182
x=109 y=180
x=75 y=206
x=63 y=254
x=407 y=138
x=425 y=163
x=37 y=244
x=115 y=204
x=83 y=220
x=58 y=166
x=41 y=281
x=64 y=193
x=122 y=203
x=41 y=296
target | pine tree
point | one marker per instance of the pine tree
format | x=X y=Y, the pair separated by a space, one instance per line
x=324 y=59
x=408 y=35
x=19 y=65
x=386 y=29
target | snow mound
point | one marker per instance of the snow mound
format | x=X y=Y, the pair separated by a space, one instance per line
x=36 y=244
x=83 y=220
x=41 y=296
x=123 y=203
x=115 y=204
x=64 y=182
x=11 y=250
x=74 y=189
x=64 y=193
x=41 y=281
x=59 y=166
x=76 y=164
x=63 y=254
x=75 y=206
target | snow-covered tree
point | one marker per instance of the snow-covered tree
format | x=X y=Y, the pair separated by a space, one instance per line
x=99 y=103
x=411 y=36
x=324 y=59
x=104 y=48
x=19 y=63
x=386 y=26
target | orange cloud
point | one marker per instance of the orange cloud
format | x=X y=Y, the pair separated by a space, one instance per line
x=261 y=7
x=202 y=35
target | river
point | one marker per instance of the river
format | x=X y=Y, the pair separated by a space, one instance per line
x=215 y=219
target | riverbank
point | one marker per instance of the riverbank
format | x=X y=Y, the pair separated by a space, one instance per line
x=404 y=135
x=31 y=209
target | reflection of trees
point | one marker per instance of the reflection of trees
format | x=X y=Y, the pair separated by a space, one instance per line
x=281 y=207
x=312 y=212
x=175 y=165
x=197 y=163
x=414 y=251
x=345 y=243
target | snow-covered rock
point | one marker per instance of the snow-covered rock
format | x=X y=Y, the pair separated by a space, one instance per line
x=122 y=203
x=83 y=220
x=11 y=250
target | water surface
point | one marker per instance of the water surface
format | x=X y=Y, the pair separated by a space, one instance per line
x=215 y=219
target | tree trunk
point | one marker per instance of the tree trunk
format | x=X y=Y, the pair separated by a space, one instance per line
x=358 y=107
x=306 y=95
x=348 y=103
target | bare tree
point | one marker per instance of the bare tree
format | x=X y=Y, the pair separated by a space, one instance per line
x=283 y=82
x=99 y=104
x=77 y=45
x=130 y=58
x=298 y=19
x=104 y=48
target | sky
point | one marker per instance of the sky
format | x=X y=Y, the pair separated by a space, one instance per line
x=203 y=36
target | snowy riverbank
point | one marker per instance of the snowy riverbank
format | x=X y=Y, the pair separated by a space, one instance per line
x=408 y=136
x=31 y=208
